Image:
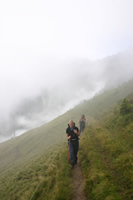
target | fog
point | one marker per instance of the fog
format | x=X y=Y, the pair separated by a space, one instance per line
x=55 y=54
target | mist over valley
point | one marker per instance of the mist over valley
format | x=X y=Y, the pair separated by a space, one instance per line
x=56 y=92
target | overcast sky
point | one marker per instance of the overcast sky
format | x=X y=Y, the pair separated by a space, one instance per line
x=38 y=39
x=87 y=28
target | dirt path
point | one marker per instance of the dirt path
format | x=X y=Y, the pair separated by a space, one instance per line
x=78 y=183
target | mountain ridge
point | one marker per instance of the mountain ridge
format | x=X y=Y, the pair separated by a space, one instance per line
x=52 y=133
x=24 y=158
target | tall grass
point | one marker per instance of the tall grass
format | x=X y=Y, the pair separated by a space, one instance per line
x=107 y=158
x=48 y=177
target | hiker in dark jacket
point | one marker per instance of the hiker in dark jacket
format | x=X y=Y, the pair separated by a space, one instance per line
x=72 y=133
x=82 y=122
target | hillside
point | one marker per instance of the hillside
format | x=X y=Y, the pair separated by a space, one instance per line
x=38 y=140
x=30 y=152
x=106 y=154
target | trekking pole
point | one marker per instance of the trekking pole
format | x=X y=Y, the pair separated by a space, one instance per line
x=68 y=151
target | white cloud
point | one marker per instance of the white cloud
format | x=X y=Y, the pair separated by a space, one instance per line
x=43 y=45
x=66 y=28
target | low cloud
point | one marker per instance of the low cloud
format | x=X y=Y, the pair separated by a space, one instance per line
x=51 y=88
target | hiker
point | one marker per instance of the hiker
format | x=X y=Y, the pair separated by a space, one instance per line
x=72 y=133
x=82 y=121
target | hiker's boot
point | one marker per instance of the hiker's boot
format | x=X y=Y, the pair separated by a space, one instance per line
x=72 y=163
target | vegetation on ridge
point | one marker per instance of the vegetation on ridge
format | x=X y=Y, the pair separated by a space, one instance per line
x=105 y=153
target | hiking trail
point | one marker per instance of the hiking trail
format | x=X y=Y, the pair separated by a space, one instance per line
x=78 y=183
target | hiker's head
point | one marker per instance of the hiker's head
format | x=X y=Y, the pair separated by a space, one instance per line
x=71 y=123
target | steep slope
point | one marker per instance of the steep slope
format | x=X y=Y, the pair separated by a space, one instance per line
x=100 y=104
x=36 y=141
x=28 y=153
x=107 y=155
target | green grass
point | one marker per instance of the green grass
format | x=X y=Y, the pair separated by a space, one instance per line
x=107 y=157
x=49 y=173
x=25 y=159
x=99 y=179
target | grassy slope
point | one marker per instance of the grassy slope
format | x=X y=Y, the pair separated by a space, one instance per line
x=38 y=140
x=107 y=146
x=32 y=147
x=46 y=177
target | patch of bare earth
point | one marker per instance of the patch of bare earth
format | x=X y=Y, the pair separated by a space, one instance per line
x=78 y=183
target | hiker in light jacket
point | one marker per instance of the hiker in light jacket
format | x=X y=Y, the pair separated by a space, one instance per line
x=72 y=133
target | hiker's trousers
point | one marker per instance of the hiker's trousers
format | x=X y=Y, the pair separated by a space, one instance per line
x=73 y=148
x=82 y=127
